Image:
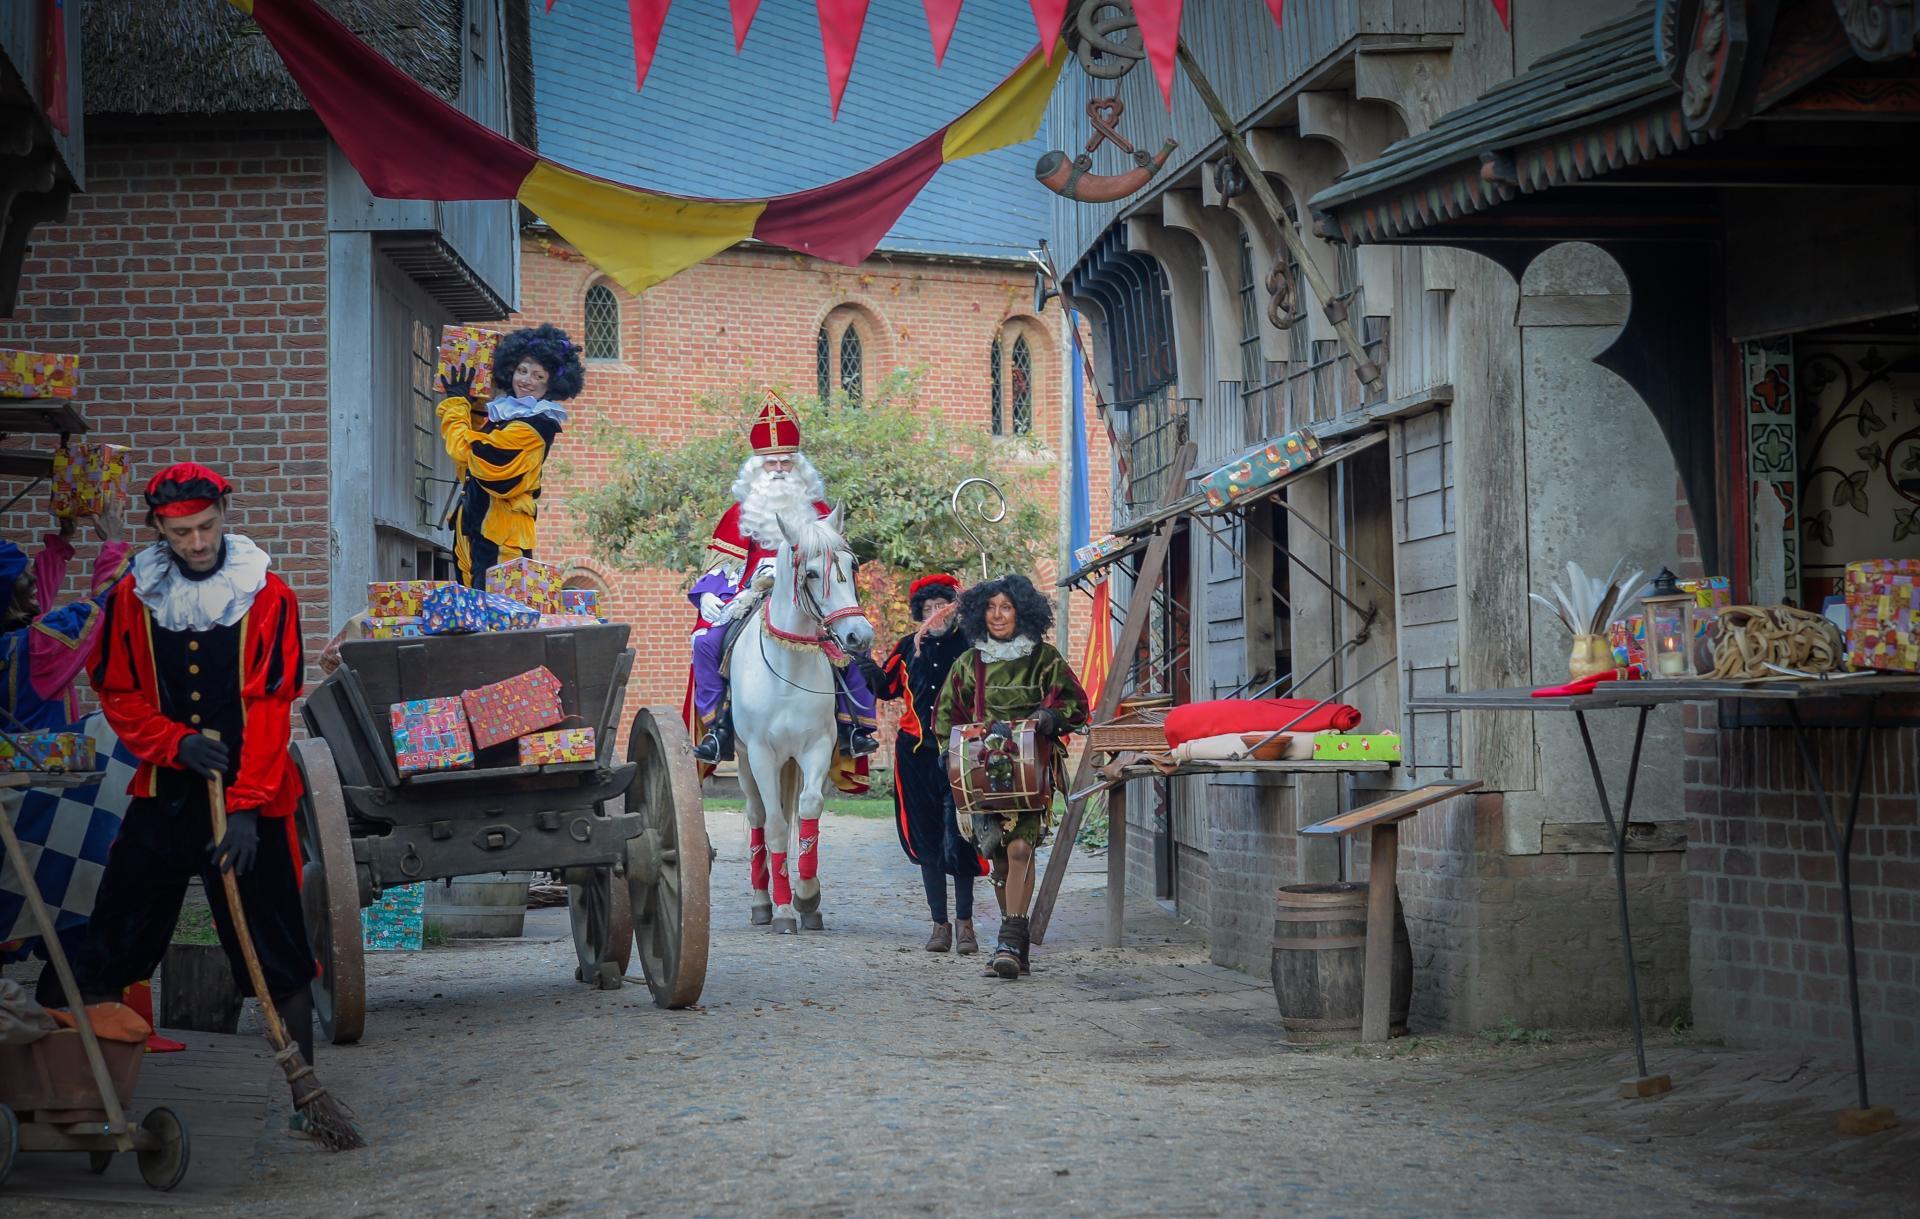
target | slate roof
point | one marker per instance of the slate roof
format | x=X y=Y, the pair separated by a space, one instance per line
x=710 y=123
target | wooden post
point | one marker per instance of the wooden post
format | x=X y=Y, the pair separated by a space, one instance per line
x=1116 y=862
x=1376 y=1017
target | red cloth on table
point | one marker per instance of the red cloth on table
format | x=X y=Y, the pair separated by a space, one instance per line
x=1221 y=716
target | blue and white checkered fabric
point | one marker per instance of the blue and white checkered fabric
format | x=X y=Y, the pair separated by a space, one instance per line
x=65 y=834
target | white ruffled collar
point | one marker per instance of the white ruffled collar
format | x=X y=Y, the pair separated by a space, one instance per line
x=222 y=599
x=506 y=410
x=995 y=650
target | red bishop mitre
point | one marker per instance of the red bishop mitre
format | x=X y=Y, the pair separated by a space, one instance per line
x=776 y=430
x=185 y=489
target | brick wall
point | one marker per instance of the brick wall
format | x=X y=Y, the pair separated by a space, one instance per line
x=751 y=316
x=191 y=280
x=1252 y=852
x=1769 y=967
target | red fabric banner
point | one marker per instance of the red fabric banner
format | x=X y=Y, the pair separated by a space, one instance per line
x=843 y=221
x=646 y=17
x=840 y=25
x=1047 y=17
x=942 y=16
x=1160 y=32
x=743 y=12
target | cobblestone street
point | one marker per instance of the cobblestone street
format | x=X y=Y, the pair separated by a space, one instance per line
x=851 y=1073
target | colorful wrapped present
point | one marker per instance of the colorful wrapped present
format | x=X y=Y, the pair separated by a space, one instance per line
x=503 y=613
x=431 y=734
x=1883 y=614
x=397 y=921
x=562 y=622
x=37 y=374
x=1629 y=639
x=405 y=627
x=580 y=601
x=506 y=710
x=560 y=745
x=400 y=598
x=1282 y=455
x=58 y=752
x=453 y=609
x=530 y=582
x=470 y=347
x=87 y=477
x=1713 y=592
x=1100 y=548
x=1356 y=747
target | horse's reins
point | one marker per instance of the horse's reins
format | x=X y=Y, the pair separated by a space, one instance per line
x=823 y=639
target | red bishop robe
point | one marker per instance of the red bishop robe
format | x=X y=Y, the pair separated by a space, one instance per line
x=731 y=545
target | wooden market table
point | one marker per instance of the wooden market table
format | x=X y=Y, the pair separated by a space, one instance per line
x=1789 y=693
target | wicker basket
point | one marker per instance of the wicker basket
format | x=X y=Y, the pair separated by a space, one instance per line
x=1134 y=730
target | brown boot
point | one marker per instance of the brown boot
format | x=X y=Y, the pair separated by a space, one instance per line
x=1012 y=946
x=942 y=938
x=964 y=942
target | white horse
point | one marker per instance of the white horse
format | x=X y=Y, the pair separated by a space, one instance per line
x=783 y=712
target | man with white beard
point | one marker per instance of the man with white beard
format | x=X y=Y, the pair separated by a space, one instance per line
x=777 y=479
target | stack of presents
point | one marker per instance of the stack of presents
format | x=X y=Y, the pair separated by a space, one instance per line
x=523 y=595
x=431 y=734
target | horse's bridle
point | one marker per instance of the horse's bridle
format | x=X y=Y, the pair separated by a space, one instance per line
x=823 y=638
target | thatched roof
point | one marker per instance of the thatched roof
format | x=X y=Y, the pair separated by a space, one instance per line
x=151 y=57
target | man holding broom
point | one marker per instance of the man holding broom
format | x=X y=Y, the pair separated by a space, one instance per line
x=199 y=664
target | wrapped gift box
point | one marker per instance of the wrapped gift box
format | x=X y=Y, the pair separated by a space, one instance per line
x=431 y=734
x=1100 y=548
x=37 y=374
x=453 y=609
x=507 y=710
x=471 y=346
x=1260 y=467
x=580 y=601
x=1356 y=747
x=503 y=613
x=397 y=921
x=560 y=745
x=391 y=628
x=559 y=622
x=530 y=582
x=87 y=477
x=1629 y=639
x=1883 y=614
x=400 y=598
x=49 y=751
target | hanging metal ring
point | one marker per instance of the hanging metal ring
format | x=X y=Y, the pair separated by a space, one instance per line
x=1102 y=56
x=993 y=517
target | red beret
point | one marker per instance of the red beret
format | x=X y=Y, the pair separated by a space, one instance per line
x=184 y=489
x=939 y=579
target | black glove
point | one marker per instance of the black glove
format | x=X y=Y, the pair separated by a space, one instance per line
x=1046 y=722
x=203 y=755
x=458 y=383
x=237 y=851
x=876 y=677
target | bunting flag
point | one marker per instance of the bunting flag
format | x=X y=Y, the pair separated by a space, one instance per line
x=942 y=16
x=1160 y=31
x=840 y=24
x=1047 y=18
x=647 y=17
x=1500 y=7
x=53 y=64
x=407 y=142
x=742 y=12
x=1098 y=661
x=1276 y=7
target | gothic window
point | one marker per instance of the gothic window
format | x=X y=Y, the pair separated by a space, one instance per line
x=823 y=365
x=850 y=382
x=1022 y=388
x=603 y=324
x=999 y=418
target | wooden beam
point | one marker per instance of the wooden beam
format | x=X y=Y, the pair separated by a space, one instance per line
x=1131 y=629
x=1116 y=863
x=25 y=463
x=1376 y=997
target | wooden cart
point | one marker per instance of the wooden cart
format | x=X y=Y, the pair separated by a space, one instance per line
x=626 y=833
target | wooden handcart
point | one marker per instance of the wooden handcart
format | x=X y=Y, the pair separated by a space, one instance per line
x=627 y=834
x=64 y=1092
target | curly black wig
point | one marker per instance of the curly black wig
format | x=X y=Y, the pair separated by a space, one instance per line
x=1033 y=611
x=556 y=352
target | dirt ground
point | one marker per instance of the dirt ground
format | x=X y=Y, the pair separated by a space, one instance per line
x=850 y=1073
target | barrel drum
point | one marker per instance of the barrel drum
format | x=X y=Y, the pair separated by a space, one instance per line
x=1319 y=962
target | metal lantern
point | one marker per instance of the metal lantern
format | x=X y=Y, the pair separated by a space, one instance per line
x=1669 y=629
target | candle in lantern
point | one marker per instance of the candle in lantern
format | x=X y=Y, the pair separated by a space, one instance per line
x=1672 y=662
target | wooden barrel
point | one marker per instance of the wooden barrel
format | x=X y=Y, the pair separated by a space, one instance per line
x=1319 y=961
x=489 y=907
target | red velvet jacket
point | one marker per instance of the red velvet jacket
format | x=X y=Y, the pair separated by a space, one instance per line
x=272 y=668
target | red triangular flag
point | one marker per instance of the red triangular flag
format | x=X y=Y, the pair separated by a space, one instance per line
x=743 y=11
x=840 y=22
x=1160 y=33
x=1047 y=16
x=1276 y=7
x=1500 y=7
x=53 y=65
x=942 y=15
x=647 y=17
x=549 y=6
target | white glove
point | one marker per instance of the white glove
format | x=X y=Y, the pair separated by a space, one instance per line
x=738 y=606
x=712 y=608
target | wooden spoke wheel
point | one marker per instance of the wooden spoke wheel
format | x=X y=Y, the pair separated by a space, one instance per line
x=330 y=897
x=602 y=919
x=667 y=864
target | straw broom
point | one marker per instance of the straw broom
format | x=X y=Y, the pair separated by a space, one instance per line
x=328 y=1118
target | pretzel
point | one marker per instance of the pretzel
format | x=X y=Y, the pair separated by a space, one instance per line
x=1747 y=638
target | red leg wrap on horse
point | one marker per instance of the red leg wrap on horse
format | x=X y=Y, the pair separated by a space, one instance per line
x=782 y=887
x=809 y=848
x=757 y=858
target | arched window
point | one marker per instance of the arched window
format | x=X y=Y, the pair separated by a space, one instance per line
x=850 y=381
x=1022 y=388
x=823 y=364
x=603 y=324
x=999 y=415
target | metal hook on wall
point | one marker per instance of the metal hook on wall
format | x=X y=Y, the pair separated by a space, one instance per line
x=993 y=517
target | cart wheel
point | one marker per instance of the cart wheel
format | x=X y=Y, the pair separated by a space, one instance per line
x=602 y=919
x=9 y=1142
x=161 y=1167
x=667 y=865
x=99 y=1161
x=330 y=897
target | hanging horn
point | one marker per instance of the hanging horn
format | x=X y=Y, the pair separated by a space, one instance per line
x=993 y=517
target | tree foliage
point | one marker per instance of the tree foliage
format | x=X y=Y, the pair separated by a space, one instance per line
x=891 y=462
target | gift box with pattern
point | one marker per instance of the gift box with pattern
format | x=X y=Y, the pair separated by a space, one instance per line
x=87 y=477
x=1100 y=548
x=530 y=582
x=559 y=745
x=1356 y=747
x=59 y=752
x=1883 y=614
x=397 y=921
x=470 y=347
x=1280 y=456
x=580 y=601
x=400 y=598
x=406 y=627
x=37 y=374
x=562 y=622
x=431 y=734
x=453 y=609
x=506 y=710
x=503 y=613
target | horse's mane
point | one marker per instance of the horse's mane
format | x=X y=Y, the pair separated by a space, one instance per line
x=812 y=534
